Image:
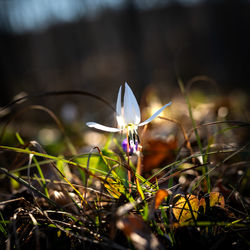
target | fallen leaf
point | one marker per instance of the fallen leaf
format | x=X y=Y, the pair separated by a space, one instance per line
x=216 y=199
x=139 y=233
x=202 y=203
x=157 y=153
x=161 y=194
x=186 y=207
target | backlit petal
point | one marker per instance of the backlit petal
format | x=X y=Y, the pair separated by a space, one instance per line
x=119 y=110
x=154 y=115
x=102 y=127
x=131 y=108
x=119 y=103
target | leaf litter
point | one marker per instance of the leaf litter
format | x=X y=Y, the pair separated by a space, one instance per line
x=192 y=189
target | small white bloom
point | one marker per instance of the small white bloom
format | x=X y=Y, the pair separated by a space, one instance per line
x=129 y=116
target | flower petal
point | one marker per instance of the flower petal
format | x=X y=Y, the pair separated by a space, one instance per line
x=132 y=112
x=154 y=115
x=119 y=103
x=119 y=111
x=102 y=127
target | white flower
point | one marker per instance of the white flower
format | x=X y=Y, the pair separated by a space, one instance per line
x=129 y=116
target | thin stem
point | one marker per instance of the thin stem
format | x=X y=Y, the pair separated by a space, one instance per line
x=138 y=171
x=129 y=174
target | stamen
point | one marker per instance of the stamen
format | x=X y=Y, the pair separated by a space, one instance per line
x=129 y=146
x=130 y=138
x=137 y=137
x=134 y=139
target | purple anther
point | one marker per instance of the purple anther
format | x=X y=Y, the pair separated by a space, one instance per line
x=132 y=147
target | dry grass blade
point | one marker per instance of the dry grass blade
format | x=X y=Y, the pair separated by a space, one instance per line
x=58 y=93
x=26 y=184
x=50 y=113
x=201 y=78
x=186 y=138
x=238 y=123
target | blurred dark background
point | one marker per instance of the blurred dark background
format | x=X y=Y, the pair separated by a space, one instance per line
x=96 y=45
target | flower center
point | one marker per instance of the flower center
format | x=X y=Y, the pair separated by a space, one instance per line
x=133 y=137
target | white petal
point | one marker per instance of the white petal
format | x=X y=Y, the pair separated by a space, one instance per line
x=119 y=103
x=120 y=122
x=102 y=127
x=154 y=115
x=119 y=110
x=131 y=108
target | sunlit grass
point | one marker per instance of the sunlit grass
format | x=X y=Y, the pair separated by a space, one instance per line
x=84 y=198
